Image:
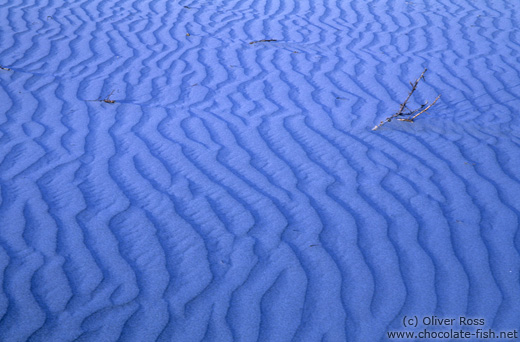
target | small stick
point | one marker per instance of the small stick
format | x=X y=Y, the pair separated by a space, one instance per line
x=403 y=106
x=263 y=41
x=412 y=112
x=414 y=86
x=424 y=110
x=108 y=100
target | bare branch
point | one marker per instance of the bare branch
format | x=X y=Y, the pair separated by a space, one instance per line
x=108 y=100
x=414 y=86
x=410 y=119
x=411 y=113
x=263 y=41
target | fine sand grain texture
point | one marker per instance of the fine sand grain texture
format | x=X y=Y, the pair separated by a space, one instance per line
x=201 y=170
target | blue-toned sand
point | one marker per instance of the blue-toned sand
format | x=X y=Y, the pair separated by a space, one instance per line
x=201 y=170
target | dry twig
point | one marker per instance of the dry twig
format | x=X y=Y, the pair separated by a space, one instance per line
x=263 y=41
x=106 y=99
x=424 y=110
x=411 y=113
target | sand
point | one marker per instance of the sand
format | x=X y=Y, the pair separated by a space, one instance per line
x=163 y=179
